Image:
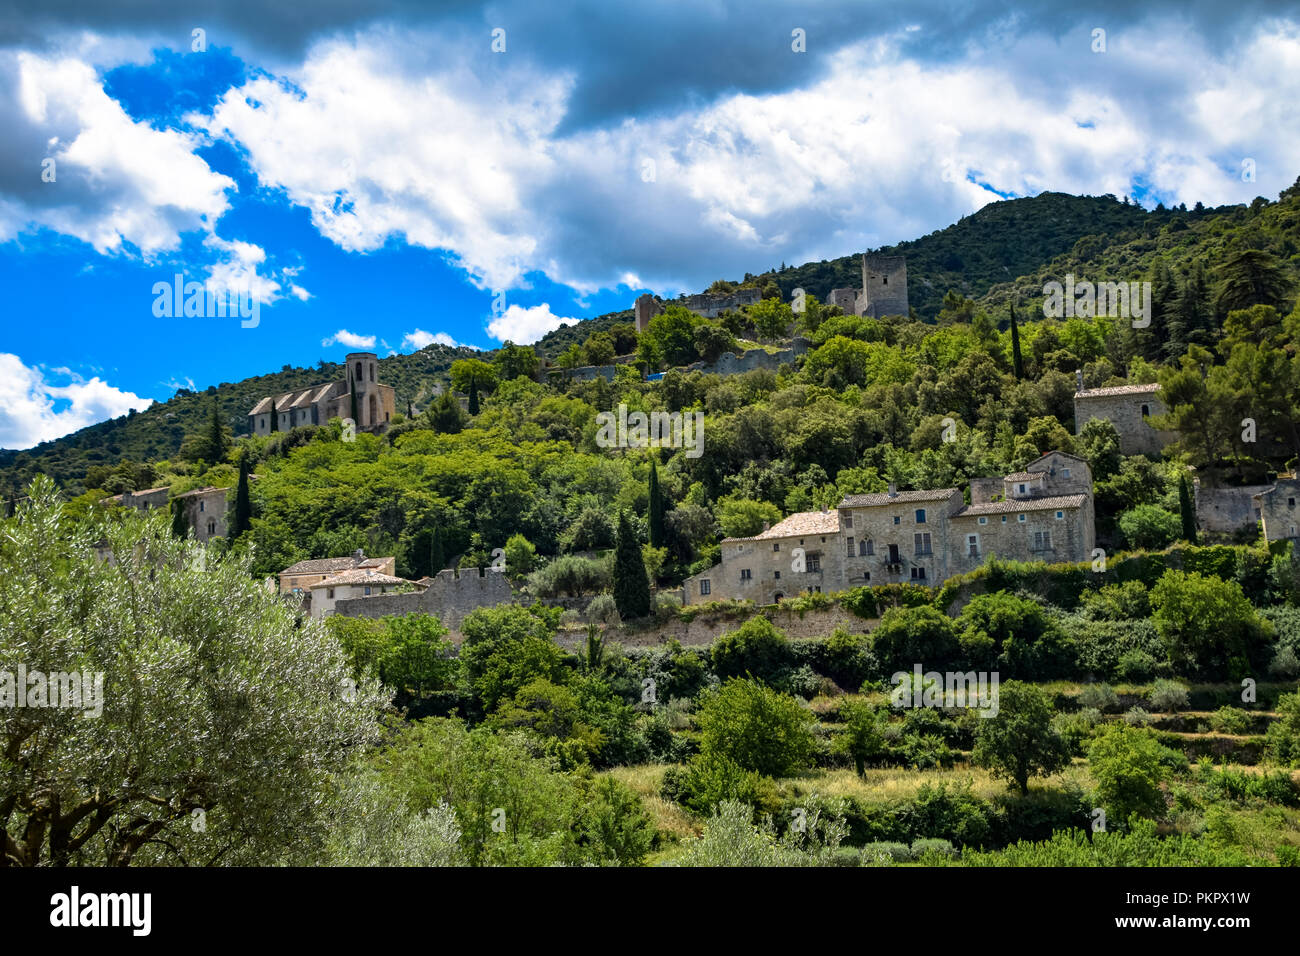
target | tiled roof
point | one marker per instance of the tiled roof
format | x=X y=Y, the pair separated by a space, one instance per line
x=201 y=491
x=150 y=491
x=1023 y=504
x=1025 y=475
x=327 y=565
x=1118 y=390
x=804 y=522
x=902 y=497
x=357 y=576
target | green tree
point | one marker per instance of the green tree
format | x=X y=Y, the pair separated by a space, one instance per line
x=863 y=739
x=215 y=697
x=758 y=648
x=756 y=727
x=656 y=508
x=1129 y=764
x=745 y=517
x=1186 y=510
x=1098 y=443
x=1251 y=277
x=520 y=555
x=218 y=442
x=1017 y=362
x=513 y=361
x=1208 y=624
x=445 y=414
x=275 y=418
x=242 y=519
x=631 y=585
x=1019 y=742
x=180 y=519
x=1149 y=527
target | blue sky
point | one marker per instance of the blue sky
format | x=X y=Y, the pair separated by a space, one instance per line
x=376 y=175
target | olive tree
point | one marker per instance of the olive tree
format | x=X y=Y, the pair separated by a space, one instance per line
x=222 y=717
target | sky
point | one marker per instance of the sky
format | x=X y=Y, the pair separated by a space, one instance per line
x=380 y=176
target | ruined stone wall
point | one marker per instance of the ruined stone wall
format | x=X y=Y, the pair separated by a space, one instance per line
x=450 y=598
x=1226 y=509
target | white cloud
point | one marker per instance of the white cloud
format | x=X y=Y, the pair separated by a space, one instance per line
x=523 y=326
x=350 y=339
x=33 y=410
x=418 y=339
x=116 y=181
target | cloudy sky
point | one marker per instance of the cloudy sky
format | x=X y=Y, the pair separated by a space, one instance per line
x=383 y=175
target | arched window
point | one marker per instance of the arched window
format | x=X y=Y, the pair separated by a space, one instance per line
x=212 y=527
x=359 y=376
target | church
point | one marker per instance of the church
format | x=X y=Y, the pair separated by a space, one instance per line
x=372 y=409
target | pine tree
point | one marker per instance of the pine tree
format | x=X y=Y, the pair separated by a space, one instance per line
x=656 y=507
x=1017 y=362
x=1186 y=510
x=243 y=516
x=631 y=585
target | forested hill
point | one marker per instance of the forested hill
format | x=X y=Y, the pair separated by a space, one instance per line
x=1002 y=251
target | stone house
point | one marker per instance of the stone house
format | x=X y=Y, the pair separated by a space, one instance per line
x=1044 y=513
x=316 y=405
x=150 y=499
x=347 y=585
x=1278 y=509
x=1129 y=408
x=449 y=595
x=298 y=578
x=205 y=510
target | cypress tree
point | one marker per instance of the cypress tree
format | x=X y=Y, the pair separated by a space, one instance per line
x=1017 y=363
x=473 y=397
x=243 y=518
x=216 y=436
x=436 y=556
x=180 y=523
x=275 y=424
x=631 y=586
x=1186 y=510
x=656 y=507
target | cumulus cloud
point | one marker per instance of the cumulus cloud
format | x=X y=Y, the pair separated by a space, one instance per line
x=34 y=409
x=350 y=339
x=115 y=181
x=418 y=339
x=523 y=326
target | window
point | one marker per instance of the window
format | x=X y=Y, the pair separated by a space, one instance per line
x=776 y=575
x=922 y=541
x=973 y=544
x=330 y=593
x=1060 y=515
x=706 y=587
x=776 y=546
x=746 y=574
x=814 y=563
x=212 y=527
x=1065 y=472
x=367 y=590
x=850 y=545
x=1021 y=487
x=201 y=506
x=848 y=520
x=1042 y=541
x=918 y=574
x=1020 y=518
x=893 y=554
x=984 y=520
x=920 y=516
x=866 y=548
x=898 y=519
x=1290 y=502
x=1146 y=410
x=1004 y=519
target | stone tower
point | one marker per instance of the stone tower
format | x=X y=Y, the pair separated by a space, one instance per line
x=645 y=308
x=363 y=377
x=884 y=286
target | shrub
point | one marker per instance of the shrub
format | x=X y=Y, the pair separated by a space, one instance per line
x=1208 y=623
x=757 y=649
x=1129 y=765
x=1149 y=527
x=922 y=848
x=1230 y=720
x=1136 y=665
x=914 y=635
x=848 y=658
x=1137 y=717
x=1283 y=738
x=758 y=728
x=1167 y=695
x=883 y=853
x=1099 y=697
x=602 y=610
x=1285 y=664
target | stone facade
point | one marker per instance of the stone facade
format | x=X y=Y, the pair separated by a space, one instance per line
x=1278 y=508
x=884 y=286
x=729 y=363
x=450 y=596
x=316 y=405
x=711 y=305
x=1128 y=408
x=1042 y=514
x=349 y=585
x=205 y=510
x=151 y=499
x=1227 y=510
x=846 y=299
x=645 y=308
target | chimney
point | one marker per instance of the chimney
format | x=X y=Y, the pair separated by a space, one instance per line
x=893 y=490
x=358 y=555
x=766 y=525
x=1078 y=377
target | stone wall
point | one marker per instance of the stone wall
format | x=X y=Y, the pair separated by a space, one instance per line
x=1279 y=507
x=713 y=305
x=884 y=286
x=1128 y=409
x=450 y=598
x=1227 y=510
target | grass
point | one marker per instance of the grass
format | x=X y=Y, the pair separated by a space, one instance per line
x=673 y=823
x=890 y=784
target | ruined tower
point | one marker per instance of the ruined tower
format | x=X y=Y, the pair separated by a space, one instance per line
x=884 y=286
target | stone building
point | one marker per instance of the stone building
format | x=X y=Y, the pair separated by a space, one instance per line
x=1128 y=408
x=205 y=510
x=1278 y=510
x=1227 y=510
x=883 y=292
x=710 y=305
x=645 y=308
x=347 y=586
x=1044 y=513
x=298 y=578
x=449 y=596
x=150 y=499
x=316 y=405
